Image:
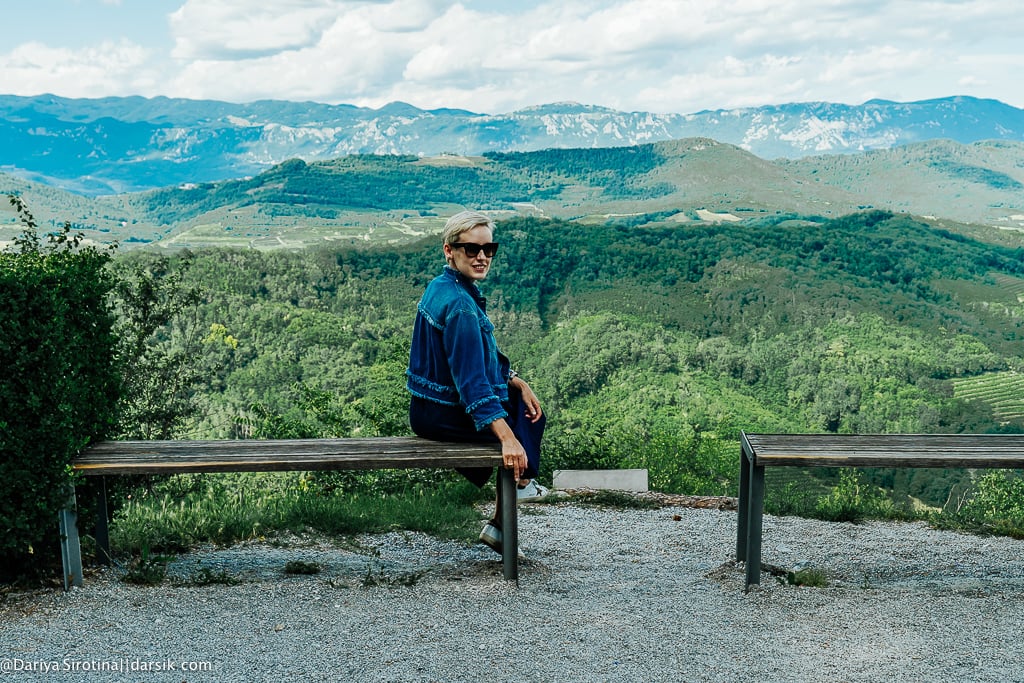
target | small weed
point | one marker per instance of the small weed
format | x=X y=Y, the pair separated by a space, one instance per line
x=209 y=577
x=300 y=567
x=407 y=579
x=147 y=569
x=810 y=577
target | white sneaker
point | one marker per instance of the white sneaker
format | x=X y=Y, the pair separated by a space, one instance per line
x=531 y=492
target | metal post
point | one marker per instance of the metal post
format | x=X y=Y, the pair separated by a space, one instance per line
x=102 y=528
x=70 y=546
x=742 y=506
x=755 y=512
x=509 y=524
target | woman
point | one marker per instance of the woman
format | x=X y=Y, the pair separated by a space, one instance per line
x=462 y=386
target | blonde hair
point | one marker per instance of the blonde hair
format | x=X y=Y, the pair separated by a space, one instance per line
x=463 y=221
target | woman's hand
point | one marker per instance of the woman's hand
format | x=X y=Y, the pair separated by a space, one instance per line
x=533 y=410
x=513 y=454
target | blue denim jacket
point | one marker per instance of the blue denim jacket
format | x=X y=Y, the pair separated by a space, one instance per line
x=454 y=358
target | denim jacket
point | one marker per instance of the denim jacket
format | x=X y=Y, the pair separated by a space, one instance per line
x=454 y=358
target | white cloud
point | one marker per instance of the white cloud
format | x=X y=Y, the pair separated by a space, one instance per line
x=656 y=55
x=347 y=52
x=110 y=68
x=230 y=29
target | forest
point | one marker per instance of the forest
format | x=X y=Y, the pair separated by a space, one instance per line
x=496 y=180
x=650 y=347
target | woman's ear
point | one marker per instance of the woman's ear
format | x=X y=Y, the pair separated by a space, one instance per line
x=447 y=249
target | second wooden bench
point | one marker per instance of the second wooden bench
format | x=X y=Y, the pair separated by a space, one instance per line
x=758 y=451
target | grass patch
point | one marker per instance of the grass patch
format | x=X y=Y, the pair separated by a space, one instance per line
x=851 y=499
x=810 y=577
x=993 y=504
x=177 y=515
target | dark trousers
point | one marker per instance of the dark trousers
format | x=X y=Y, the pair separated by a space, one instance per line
x=451 y=423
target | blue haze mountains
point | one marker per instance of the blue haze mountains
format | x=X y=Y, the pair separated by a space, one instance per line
x=128 y=144
x=273 y=174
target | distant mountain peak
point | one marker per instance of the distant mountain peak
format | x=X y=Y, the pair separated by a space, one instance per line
x=566 y=107
x=398 y=108
x=116 y=144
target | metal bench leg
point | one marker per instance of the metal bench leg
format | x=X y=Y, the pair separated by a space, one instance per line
x=70 y=546
x=755 y=512
x=102 y=526
x=742 y=507
x=509 y=524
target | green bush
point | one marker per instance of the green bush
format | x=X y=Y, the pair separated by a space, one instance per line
x=996 y=504
x=59 y=385
x=678 y=458
x=853 y=500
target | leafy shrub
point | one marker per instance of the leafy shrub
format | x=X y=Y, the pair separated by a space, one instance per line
x=59 y=386
x=158 y=344
x=679 y=458
x=853 y=500
x=996 y=504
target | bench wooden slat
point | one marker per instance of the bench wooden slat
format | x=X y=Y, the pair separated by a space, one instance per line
x=269 y=456
x=887 y=450
x=167 y=457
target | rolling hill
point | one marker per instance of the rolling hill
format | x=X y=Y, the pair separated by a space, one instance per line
x=970 y=188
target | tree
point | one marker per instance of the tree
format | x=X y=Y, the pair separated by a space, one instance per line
x=160 y=343
x=59 y=386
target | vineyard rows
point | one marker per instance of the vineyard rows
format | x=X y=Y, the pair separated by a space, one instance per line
x=1013 y=285
x=1003 y=391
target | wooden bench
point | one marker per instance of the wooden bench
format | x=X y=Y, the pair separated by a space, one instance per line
x=853 y=450
x=111 y=458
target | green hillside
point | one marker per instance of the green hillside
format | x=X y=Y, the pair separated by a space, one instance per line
x=971 y=189
x=976 y=183
x=659 y=299
x=650 y=346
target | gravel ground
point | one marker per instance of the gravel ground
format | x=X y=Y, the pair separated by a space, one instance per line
x=603 y=595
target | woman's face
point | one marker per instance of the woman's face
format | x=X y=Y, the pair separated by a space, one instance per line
x=476 y=267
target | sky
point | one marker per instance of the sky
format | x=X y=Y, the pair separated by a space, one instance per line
x=486 y=56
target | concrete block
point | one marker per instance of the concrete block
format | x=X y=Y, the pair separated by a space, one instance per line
x=613 y=480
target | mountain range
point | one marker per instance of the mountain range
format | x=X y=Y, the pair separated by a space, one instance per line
x=128 y=144
x=975 y=189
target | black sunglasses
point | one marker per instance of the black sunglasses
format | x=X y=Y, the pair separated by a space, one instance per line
x=472 y=249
